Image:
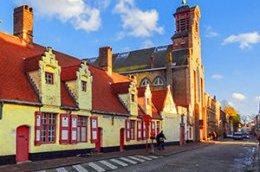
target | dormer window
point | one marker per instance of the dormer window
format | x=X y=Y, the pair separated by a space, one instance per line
x=144 y=82
x=158 y=82
x=49 y=78
x=133 y=97
x=83 y=86
x=148 y=101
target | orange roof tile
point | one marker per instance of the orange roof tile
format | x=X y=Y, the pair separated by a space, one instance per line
x=158 y=98
x=120 y=87
x=103 y=97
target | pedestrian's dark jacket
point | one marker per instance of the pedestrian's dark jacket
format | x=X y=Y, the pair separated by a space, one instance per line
x=160 y=137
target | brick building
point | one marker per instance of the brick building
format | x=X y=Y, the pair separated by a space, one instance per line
x=178 y=64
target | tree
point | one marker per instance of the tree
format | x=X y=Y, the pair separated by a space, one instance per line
x=233 y=115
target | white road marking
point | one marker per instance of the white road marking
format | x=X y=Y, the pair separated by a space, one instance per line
x=119 y=162
x=144 y=157
x=79 y=168
x=41 y=171
x=137 y=159
x=108 y=164
x=96 y=167
x=61 y=169
x=154 y=157
x=128 y=160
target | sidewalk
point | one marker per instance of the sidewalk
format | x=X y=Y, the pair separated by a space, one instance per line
x=54 y=163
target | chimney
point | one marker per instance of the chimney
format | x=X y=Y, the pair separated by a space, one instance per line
x=105 y=59
x=23 y=23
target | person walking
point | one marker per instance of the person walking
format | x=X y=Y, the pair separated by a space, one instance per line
x=160 y=140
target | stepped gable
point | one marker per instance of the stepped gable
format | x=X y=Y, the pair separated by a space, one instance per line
x=16 y=59
x=103 y=97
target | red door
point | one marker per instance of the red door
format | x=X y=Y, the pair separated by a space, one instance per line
x=182 y=135
x=122 y=139
x=22 y=143
x=99 y=139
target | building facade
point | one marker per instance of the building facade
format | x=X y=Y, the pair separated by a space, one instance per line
x=178 y=65
x=54 y=105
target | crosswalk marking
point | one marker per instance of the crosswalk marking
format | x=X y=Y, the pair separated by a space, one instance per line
x=128 y=160
x=41 y=171
x=96 y=167
x=119 y=162
x=108 y=164
x=144 y=157
x=79 y=168
x=154 y=157
x=137 y=159
x=61 y=169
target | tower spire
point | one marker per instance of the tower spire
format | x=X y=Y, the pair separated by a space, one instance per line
x=184 y=2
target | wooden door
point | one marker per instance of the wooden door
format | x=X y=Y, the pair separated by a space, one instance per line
x=22 y=143
x=182 y=135
x=122 y=139
x=99 y=139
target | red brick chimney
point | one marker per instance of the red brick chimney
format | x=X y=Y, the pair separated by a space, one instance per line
x=105 y=59
x=23 y=23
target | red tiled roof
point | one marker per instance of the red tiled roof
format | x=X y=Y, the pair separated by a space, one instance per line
x=155 y=113
x=158 y=98
x=120 y=87
x=69 y=73
x=14 y=83
x=141 y=112
x=66 y=99
x=141 y=91
x=103 y=98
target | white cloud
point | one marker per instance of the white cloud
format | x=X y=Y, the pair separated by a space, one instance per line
x=217 y=77
x=77 y=12
x=257 y=98
x=136 y=22
x=239 y=96
x=210 y=33
x=246 y=40
x=147 y=44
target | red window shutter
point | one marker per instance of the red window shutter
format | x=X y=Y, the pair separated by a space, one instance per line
x=144 y=131
x=139 y=130
x=73 y=127
x=127 y=129
x=153 y=127
x=94 y=129
x=158 y=127
x=37 y=129
x=64 y=128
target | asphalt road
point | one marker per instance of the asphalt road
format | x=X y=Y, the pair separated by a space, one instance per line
x=233 y=156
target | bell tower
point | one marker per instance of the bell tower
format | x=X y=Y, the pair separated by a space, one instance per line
x=187 y=27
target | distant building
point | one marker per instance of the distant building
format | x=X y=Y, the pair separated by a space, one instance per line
x=178 y=65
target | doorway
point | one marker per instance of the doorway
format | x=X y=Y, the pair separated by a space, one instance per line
x=99 y=139
x=22 y=143
x=122 y=139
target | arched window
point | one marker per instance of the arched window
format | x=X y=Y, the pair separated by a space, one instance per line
x=144 y=82
x=158 y=81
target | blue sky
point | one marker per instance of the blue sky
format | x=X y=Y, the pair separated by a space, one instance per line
x=230 y=36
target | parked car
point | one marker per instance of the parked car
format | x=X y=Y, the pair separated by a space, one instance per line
x=230 y=136
x=238 y=136
x=246 y=136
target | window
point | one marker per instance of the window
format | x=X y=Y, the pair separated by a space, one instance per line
x=82 y=129
x=148 y=101
x=132 y=129
x=144 y=82
x=83 y=86
x=158 y=127
x=132 y=97
x=48 y=128
x=94 y=129
x=158 y=81
x=48 y=78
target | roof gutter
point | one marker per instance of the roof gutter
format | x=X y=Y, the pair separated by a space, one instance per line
x=109 y=113
x=18 y=102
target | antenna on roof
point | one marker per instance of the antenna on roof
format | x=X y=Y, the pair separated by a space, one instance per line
x=184 y=2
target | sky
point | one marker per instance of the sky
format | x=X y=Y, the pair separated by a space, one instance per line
x=230 y=36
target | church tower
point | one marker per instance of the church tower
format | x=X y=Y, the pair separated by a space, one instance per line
x=187 y=38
